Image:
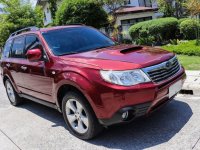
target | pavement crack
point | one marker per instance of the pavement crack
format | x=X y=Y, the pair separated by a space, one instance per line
x=196 y=143
x=10 y=139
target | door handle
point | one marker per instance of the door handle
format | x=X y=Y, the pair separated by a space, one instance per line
x=8 y=65
x=24 y=68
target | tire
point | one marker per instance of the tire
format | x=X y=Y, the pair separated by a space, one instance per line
x=79 y=116
x=13 y=97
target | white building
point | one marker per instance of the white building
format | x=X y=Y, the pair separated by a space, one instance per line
x=1 y=9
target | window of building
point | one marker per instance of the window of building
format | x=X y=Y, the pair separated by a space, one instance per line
x=45 y=17
x=126 y=2
x=135 y=20
x=47 y=9
x=145 y=3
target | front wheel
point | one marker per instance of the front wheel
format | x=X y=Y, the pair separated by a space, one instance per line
x=79 y=116
x=13 y=97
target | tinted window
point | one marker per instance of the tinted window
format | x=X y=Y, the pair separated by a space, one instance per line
x=75 y=40
x=32 y=42
x=18 y=47
x=7 y=49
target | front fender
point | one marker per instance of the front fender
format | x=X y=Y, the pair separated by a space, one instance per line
x=78 y=81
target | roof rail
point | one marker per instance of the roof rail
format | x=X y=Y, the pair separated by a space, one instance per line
x=71 y=24
x=24 y=30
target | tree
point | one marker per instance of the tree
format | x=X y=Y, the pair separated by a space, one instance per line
x=172 y=8
x=193 y=7
x=18 y=15
x=88 y=12
x=53 y=7
x=112 y=6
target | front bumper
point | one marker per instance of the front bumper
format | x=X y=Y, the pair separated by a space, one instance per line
x=139 y=100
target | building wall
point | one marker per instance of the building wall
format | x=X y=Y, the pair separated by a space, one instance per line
x=1 y=9
x=135 y=15
x=47 y=13
x=125 y=27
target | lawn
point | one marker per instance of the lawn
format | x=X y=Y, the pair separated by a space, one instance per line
x=190 y=62
x=188 y=53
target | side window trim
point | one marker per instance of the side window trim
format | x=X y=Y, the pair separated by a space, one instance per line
x=43 y=48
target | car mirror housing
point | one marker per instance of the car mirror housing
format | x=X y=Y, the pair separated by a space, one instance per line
x=34 y=54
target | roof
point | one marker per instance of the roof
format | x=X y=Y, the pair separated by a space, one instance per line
x=133 y=9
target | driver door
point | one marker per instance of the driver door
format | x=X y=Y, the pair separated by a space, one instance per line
x=36 y=81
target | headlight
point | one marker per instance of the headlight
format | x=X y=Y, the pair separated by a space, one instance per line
x=125 y=78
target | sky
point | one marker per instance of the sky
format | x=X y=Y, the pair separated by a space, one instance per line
x=33 y=2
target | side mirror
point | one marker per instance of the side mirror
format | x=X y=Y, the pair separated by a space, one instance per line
x=34 y=54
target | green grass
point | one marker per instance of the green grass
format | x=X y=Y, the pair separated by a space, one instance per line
x=184 y=48
x=190 y=62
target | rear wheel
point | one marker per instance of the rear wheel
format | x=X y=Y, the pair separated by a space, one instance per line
x=79 y=116
x=12 y=94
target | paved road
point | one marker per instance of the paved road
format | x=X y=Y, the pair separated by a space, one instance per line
x=33 y=126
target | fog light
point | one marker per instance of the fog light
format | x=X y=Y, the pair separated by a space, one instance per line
x=125 y=115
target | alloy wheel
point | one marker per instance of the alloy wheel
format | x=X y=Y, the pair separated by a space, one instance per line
x=77 y=116
x=10 y=92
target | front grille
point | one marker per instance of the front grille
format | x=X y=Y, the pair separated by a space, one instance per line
x=163 y=71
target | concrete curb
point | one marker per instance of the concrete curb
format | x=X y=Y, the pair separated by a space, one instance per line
x=192 y=83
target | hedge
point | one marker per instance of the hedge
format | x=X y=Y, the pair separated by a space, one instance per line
x=185 y=48
x=154 y=30
x=189 y=29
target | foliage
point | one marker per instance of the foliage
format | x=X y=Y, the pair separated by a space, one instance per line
x=184 y=48
x=189 y=29
x=88 y=12
x=166 y=8
x=193 y=6
x=53 y=7
x=172 y=8
x=112 y=5
x=181 y=20
x=156 y=30
x=18 y=16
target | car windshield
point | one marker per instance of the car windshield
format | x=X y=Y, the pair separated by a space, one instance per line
x=76 y=40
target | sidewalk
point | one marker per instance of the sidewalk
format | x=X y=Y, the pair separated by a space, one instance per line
x=192 y=83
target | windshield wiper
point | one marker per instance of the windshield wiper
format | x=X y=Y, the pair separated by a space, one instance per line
x=69 y=53
x=101 y=47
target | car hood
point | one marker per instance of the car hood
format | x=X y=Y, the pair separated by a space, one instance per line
x=121 y=57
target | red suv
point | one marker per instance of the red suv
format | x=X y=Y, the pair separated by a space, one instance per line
x=94 y=81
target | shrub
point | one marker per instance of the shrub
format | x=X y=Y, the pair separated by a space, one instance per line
x=88 y=12
x=181 y=20
x=185 y=48
x=156 y=30
x=189 y=29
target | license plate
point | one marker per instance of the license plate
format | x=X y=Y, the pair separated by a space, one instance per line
x=175 y=88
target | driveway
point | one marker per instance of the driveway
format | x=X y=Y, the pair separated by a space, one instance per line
x=33 y=126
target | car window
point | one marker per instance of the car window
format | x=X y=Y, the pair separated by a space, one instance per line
x=7 y=49
x=75 y=40
x=18 y=47
x=32 y=42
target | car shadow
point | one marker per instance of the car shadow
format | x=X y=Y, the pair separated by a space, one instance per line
x=143 y=133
